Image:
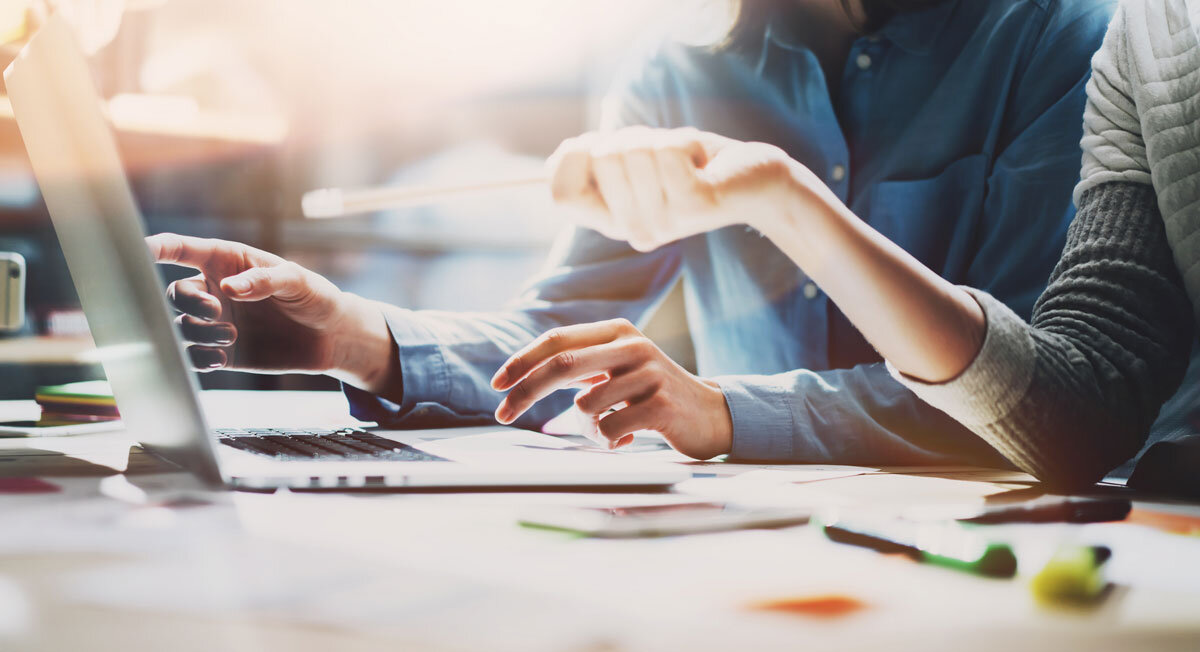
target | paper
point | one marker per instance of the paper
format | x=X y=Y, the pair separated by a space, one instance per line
x=16 y=610
x=801 y=474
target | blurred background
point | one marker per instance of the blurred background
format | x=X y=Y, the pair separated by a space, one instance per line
x=227 y=111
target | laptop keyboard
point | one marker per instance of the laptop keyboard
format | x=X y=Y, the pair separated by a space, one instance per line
x=321 y=444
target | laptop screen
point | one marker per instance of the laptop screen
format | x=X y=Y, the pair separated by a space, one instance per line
x=74 y=157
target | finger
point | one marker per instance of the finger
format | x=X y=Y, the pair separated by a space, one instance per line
x=648 y=192
x=207 y=358
x=708 y=144
x=621 y=388
x=608 y=169
x=206 y=333
x=190 y=296
x=569 y=169
x=682 y=185
x=570 y=172
x=647 y=415
x=287 y=282
x=589 y=382
x=189 y=251
x=181 y=249
x=554 y=342
x=565 y=368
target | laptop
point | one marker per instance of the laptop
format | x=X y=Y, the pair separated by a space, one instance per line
x=75 y=160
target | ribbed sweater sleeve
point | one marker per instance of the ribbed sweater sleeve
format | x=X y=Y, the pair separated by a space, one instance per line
x=1073 y=394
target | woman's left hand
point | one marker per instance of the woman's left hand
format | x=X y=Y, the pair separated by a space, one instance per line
x=631 y=385
x=650 y=187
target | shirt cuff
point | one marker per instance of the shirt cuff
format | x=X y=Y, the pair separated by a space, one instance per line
x=762 y=418
x=423 y=370
x=995 y=381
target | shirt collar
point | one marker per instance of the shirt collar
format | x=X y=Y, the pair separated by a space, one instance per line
x=918 y=31
x=914 y=31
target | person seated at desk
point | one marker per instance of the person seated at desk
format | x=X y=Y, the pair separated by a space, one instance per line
x=951 y=126
x=1067 y=396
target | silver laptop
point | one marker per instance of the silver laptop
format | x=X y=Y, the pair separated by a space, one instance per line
x=75 y=160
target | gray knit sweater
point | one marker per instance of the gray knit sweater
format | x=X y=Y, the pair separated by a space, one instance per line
x=1074 y=393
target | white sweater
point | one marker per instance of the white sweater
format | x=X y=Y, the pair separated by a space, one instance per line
x=1142 y=121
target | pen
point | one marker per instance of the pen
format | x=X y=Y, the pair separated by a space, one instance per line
x=944 y=543
x=1056 y=510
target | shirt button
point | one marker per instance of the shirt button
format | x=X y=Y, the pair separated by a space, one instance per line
x=863 y=61
x=810 y=290
x=838 y=172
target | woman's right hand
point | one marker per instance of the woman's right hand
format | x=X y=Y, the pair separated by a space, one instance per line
x=650 y=187
x=251 y=310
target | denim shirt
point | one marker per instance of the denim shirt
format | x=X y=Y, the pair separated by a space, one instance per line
x=954 y=132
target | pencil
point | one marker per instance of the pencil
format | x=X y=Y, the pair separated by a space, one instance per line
x=338 y=202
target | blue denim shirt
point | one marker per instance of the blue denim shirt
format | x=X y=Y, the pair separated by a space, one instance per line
x=954 y=132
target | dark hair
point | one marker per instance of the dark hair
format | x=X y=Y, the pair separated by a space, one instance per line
x=751 y=17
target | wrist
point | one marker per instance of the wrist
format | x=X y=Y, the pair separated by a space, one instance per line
x=805 y=220
x=363 y=347
x=721 y=421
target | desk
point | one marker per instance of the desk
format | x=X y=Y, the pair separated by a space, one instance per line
x=82 y=568
x=47 y=349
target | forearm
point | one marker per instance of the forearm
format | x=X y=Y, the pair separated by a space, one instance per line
x=923 y=324
x=845 y=416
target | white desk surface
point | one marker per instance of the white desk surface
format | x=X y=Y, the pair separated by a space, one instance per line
x=86 y=567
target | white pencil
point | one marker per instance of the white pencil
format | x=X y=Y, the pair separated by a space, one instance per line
x=337 y=202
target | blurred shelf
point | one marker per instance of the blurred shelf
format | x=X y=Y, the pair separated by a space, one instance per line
x=155 y=131
x=47 y=350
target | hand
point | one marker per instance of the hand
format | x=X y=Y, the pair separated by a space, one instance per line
x=650 y=187
x=625 y=371
x=251 y=310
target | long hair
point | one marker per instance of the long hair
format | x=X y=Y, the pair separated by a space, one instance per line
x=750 y=17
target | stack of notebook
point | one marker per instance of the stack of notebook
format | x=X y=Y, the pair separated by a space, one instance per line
x=77 y=402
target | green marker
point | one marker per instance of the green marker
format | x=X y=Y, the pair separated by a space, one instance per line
x=945 y=543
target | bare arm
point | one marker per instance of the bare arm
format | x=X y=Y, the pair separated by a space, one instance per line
x=926 y=326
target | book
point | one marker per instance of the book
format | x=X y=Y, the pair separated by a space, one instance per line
x=73 y=402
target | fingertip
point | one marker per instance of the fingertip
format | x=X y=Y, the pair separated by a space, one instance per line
x=154 y=244
x=236 y=286
x=500 y=380
x=211 y=307
x=206 y=359
x=226 y=334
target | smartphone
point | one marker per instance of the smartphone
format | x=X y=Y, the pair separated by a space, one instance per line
x=663 y=519
x=55 y=429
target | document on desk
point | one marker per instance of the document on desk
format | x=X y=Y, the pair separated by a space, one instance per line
x=913 y=496
x=522 y=446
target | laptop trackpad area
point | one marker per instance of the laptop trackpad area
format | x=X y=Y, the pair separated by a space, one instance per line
x=511 y=444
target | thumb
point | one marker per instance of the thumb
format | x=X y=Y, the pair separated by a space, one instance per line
x=707 y=146
x=286 y=281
